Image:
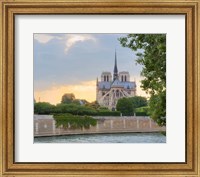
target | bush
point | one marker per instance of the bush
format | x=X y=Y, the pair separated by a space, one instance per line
x=43 y=108
x=141 y=114
x=107 y=113
x=74 y=109
x=157 y=108
x=74 y=122
x=142 y=111
x=125 y=106
x=138 y=101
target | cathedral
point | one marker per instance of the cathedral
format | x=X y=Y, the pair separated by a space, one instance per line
x=111 y=88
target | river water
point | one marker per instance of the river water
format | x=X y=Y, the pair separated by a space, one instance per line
x=105 y=138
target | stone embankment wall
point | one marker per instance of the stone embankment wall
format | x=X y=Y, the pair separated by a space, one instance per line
x=44 y=125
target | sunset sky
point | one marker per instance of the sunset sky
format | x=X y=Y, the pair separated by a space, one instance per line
x=70 y=63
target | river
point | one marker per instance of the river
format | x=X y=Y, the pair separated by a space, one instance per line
x=105 y=138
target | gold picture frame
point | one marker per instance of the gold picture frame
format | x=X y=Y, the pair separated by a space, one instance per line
x=9 y=8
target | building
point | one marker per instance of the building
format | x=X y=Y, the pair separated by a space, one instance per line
x=109 y=90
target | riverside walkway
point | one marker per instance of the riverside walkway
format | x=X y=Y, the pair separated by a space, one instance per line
x=44 y=125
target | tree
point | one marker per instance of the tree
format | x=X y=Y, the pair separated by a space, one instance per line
x=125 y=106
x=151 y=52
x=43 y=108
x=68 y=98
x=138 y=101
x=158 y=101
x=76 y=101
x=74 y=109
x=93 y=104
x=83 y=101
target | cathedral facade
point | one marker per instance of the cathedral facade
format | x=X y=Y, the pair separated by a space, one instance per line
x=113 y=87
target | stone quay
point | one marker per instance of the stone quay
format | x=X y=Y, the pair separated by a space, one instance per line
x=45 y=125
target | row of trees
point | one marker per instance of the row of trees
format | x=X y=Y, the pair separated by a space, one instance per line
x=126 y=106
x=74 y=109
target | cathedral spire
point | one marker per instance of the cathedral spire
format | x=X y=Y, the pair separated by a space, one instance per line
x=115 y=75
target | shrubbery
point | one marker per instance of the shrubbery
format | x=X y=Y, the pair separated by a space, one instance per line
x=43 y=108
x=142 y=111
x=74 y=109
x=133 y=106
x=74 y=122
x=141 y=114
x=125 y=106
x=107 y=113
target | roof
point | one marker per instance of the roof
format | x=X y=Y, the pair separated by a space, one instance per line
x=124 y=72
x=129 y=85
x=104 y=85
x=116 y=83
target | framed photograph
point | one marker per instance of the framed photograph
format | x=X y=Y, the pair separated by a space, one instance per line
x=101 y=88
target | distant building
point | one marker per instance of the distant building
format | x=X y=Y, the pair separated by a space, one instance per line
x=109 y=90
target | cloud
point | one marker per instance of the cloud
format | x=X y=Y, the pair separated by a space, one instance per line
x=72 y=39
x=69 y=39
x=45 y=38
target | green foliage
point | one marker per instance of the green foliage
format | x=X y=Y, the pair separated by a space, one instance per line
x=76 y=101
x=94 y=105
x=129 y=105
x=103 y=108
x=158 y=101
x=125 y=106
x=74 y=122
x=138 y=101
x=141 y=114
x=83 y=101
x=74 y=109
x=151 y=52
x=43 y=108
x=142 y=109
x=104 y=112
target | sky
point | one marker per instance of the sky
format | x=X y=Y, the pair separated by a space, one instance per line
x=71 y=63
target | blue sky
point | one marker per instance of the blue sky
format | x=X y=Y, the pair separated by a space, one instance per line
x=65 y=61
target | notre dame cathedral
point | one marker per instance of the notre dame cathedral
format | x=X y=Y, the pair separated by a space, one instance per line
x=109 y=91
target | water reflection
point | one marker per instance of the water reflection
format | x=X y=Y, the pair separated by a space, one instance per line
x=105 y=138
